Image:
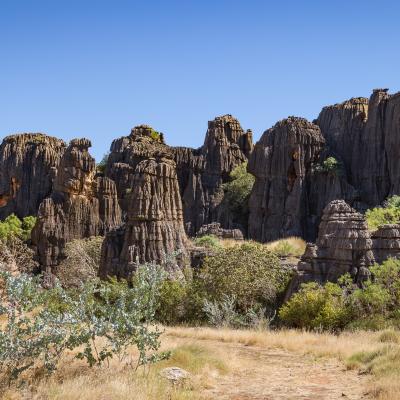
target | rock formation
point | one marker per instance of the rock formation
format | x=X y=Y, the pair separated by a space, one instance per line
x=282 y=163
x=81 y=205
x=290 y=194
x=28 y=163
x=201 y=172
x=386 y=242
x=365 y=136
x=345 y=245
x=154 y=226
x=216 y=230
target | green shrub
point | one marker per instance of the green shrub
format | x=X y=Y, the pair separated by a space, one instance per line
x=208 y=241
x=333 y=306
x=12 y=226
x=249 y=272
x=38 y=325
x=101 y=166
x=237 y=193
x=172 y=307
x=155 y=135
x=329 y=165
x=316 y=307
x=388 y=214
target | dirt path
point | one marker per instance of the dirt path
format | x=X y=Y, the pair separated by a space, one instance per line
x=260 y=374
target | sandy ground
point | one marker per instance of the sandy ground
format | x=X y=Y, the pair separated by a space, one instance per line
x=261 y=374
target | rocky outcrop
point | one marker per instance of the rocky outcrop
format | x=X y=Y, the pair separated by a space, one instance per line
x=386 y=242
x=28 y=163
x=365 y=136
x=127 y=152
x=344 y=245
x=154 y=226
x=215 y=229
x=81 y=205
x=282 y=162
x=202 y=172
x=292 y=186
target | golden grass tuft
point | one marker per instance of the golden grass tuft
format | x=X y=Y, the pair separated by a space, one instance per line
x=291 y=246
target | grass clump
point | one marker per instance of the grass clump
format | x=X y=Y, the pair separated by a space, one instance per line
x=291 y=246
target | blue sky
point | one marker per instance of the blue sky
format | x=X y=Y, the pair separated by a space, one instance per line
x=97 y=68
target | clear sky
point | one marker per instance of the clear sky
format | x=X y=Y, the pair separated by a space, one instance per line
x=97 y=68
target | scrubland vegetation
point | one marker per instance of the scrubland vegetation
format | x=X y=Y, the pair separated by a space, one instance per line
x=85 y=338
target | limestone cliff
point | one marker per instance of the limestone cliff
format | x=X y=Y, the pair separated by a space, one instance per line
x=27 y=166
x=201 y=172
x=80 y=205
x=154 y=226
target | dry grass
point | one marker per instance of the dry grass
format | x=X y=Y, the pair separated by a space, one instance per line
x=291 y=246
x=74 y=380
x=377 y=353
x=204 y=353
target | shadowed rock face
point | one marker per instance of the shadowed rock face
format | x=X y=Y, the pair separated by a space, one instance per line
x=282 y=163
x=28 y=163
x=365 y=136
x=81 y=205
x=201 y=172
x=154 y=222
x=291 y=192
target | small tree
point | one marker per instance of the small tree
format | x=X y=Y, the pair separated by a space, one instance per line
x=39 y=325
x=237 y=192
x=249 y=273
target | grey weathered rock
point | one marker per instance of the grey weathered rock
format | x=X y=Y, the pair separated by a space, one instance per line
x=154 y=225
x=365 y=136
x=175 y=375
x=386 y=242
x=282 y=163
x=215 y=229
x=27 y=165
x=81 y=205
x=201 y=172
x=344 y=245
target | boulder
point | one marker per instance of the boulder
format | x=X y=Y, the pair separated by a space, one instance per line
x=175 y=375
x=82 y=204
x=216 y=230
x=28 y=162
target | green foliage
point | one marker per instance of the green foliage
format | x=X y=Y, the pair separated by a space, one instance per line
x=208 y=241
x=249 y=272
x=336 y=306
x=172 y=307
x=39 y=325
x=12 y=226
x=388 y=214
x=316 y=307
x=329 y=165
x=101 y=166
x=237 y=192
x=155 y=135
